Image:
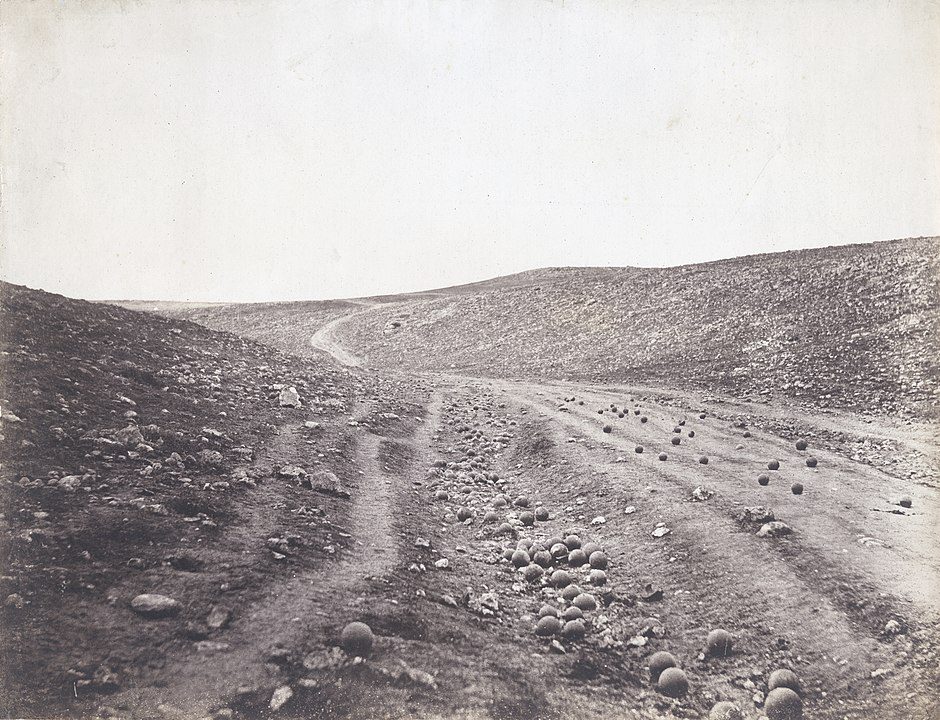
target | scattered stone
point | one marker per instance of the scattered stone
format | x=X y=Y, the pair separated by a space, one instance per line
x=774 y=529
x=289 y=397
x=281 y=695
x=153 y=605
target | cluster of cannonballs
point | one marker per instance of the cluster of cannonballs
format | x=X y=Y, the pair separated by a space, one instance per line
x=559 y=562
x=797 y=488
x=783 y=701
x=622 y=412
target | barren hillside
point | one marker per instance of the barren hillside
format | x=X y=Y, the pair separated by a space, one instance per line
x=853 y=327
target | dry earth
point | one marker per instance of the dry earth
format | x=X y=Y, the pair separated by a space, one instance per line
x=399 y=488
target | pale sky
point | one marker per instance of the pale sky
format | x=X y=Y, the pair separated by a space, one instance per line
x=256 y=150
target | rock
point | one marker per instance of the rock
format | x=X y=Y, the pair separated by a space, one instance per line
x=892 y=627
x=774 y=529
x=289 y=397
x=757 y=514
x=725 y=710
x=281 y=695
x=129 y=437
x=326 y=482
x=811 y=462
x=700 y=494
x=796 y=488
x=209 y=458
x=153 y=605
x=660 y=532
x=905 y=502
x=311 y=425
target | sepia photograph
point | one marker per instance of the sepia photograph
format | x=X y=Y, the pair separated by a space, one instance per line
x=470 y=359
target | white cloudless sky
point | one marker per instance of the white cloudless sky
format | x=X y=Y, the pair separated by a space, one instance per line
x=256 y=150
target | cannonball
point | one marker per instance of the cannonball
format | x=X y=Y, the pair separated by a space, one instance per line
x=585 y=601
x=577 y=558
x=639 y=448
x=811 y=462
x=718 y=643
x=547 y=626
x=701 y=416
x=763 y=479
x=725 y=710
x=676 y=440
x=521 y=501
x=573 y=630
x=773 y=465
x=441 y=495
x=783 y=704
x=598 y=560
x=703 y=460
x=505 y=529
x=677 y=430
x=552 y=541
x=532 y=573
x=500 y=501
x=570 y=592
x=527 y=519
x=541 y=514
x=747 y=433
x=673 y=682
x=524 y=544
x=572 y=612
x=691 y=433
x=520 y=558
x=785 y=679
x=608 y=429
x=796 y=488
x=659 y=661
x=597 y=577
x=559 y=551
x=663 y=456
x=464 y=513
x=561 y=578
x=572 y=542
x=542 y=558
x=590 y=547
x=546 y=610
x=644 y=419
x=490 y=517
x=507 y=554
x=356 y=639
x=801 y=444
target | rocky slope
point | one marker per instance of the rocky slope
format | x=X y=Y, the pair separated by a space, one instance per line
x=854 y=327
x=149 y=457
